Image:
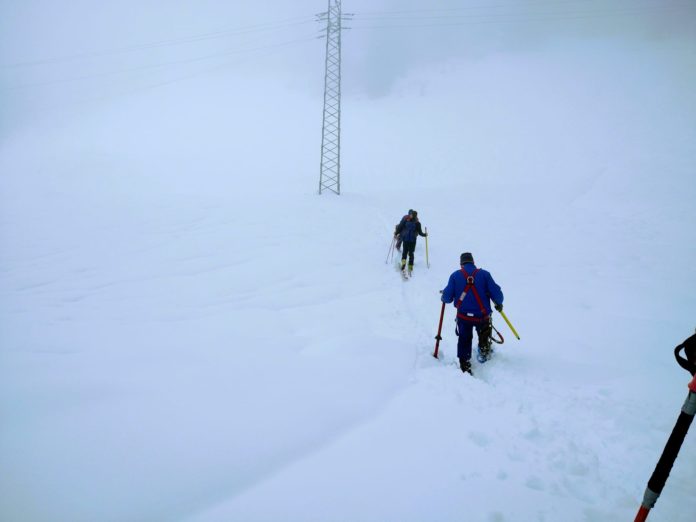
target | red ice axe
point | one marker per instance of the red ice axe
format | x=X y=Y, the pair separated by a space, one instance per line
x=438 y=337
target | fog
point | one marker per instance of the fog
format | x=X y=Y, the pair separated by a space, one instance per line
x=62 y=57
x=190 y=333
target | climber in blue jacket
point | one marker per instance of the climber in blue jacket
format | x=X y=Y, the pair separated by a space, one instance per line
x=472 y=289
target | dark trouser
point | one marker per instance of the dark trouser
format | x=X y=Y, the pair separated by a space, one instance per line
x=409 y=248
x=465 y=331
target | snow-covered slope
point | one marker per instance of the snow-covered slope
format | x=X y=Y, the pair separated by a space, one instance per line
x=190 y=333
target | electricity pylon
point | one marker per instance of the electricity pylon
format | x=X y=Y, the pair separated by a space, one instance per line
x=330 y=167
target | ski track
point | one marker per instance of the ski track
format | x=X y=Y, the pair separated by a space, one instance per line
x=552 y=449
x=547 y=458
x=553 y=458
x=418 y=298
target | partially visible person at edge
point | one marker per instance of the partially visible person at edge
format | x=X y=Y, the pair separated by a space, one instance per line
x=472 y=290
x=396 y=228
x=409 y=230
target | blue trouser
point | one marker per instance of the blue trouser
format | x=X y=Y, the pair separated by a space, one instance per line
x=465 y=331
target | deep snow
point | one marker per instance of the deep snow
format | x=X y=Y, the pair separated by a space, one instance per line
x=190 y=333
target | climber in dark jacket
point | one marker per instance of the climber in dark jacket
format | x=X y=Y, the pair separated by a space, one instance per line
x=409 y=230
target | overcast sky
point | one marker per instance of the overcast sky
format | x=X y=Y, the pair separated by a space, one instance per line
x=79 y=48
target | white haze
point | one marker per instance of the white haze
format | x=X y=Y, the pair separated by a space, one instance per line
x=190 y=333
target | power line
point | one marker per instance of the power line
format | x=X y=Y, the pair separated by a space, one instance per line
x=486 y=18
x=272 y=49
x=526 y=5
x=269 y=26
x=158 y=65
x=269 y=50
x=481 y=6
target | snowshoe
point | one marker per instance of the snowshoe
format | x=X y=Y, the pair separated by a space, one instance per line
x=484 y=354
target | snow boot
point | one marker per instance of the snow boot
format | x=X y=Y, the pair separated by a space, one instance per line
x=485 y=343
x=465 y=365
x=484 y=353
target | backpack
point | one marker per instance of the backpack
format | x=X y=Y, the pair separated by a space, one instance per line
x=408 y=233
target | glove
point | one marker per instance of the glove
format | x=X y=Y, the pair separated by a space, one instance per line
x=499 y=307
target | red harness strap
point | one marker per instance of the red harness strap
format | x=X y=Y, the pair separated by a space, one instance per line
x=470 y=286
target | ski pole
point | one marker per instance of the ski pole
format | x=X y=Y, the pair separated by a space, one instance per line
x=391 y=249
x=509 y=324
x=669 y=454
x=438 y=337
x=427 y=261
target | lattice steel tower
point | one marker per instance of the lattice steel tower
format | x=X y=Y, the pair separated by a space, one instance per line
x=330 y=168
